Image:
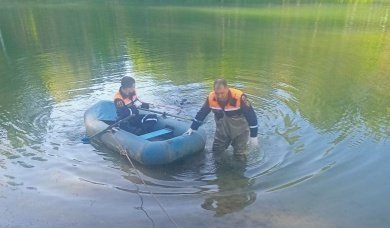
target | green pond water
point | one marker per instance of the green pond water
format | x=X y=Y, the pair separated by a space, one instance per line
x=316 y=72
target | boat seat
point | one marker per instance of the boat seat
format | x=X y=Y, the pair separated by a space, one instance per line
x=157 y=133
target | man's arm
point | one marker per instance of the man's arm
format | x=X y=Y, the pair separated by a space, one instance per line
x=201 y=115
x=250 y=115
x=143 y=105
x=122 y=110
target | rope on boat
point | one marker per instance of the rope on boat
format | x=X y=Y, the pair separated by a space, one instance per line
x=123 y=152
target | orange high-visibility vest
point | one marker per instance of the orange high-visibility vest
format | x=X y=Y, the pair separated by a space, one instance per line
x=236 y=95
x=127 y=100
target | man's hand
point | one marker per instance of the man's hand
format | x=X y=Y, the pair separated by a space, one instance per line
x=145 y=105
x=188 y=132
x=253 y=142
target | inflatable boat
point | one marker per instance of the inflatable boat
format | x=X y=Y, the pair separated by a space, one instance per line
x=164 y=144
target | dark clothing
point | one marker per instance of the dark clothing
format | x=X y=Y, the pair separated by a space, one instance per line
x=123 y=111
x=235 y=119
x=245 y=110
x=138 y=124
x=231 y=131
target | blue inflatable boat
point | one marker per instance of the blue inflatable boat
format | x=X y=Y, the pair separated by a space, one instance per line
x=164 y=144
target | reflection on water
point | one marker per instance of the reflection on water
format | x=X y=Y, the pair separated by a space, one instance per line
x=316 y=73
x=233 y=192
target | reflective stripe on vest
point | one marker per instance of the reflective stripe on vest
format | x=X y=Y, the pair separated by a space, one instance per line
x=235 y=94
x=127 y=100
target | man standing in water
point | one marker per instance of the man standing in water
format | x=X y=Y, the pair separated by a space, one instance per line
x=125 y=100
x=234 y=117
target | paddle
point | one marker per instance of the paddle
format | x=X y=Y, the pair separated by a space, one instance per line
x=87 y=139
x=165 y=114
x=158 y=112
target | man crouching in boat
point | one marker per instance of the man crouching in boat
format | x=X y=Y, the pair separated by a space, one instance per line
x=234 y=117
x=125 y=100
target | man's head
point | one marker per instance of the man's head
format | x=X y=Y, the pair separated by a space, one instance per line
x=127 y=85
x=221 y=89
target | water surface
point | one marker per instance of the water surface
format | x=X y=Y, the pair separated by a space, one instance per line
x=316 y=73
